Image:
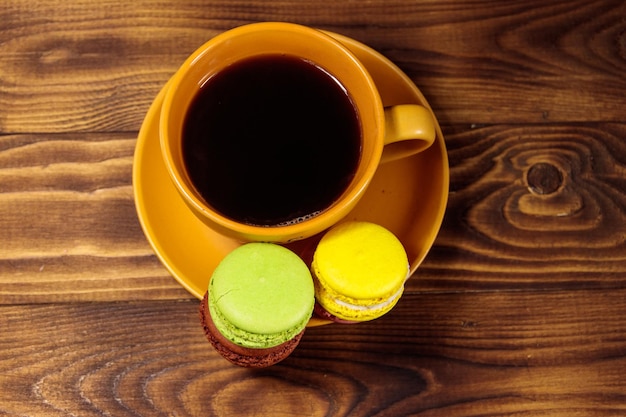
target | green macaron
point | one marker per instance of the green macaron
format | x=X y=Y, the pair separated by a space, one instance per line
x=261 y=295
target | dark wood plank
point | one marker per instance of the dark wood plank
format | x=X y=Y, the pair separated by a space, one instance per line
x=533 y=206
x=516 y=62
x=68 y=225
x=97 y=67
x=539 y=207
x=532 y=354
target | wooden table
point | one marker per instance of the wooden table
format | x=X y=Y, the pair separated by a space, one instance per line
x=519 y=308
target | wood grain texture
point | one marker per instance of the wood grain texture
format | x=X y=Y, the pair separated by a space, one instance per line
x=67 y=210
x=541 y=206
x=518 y=310
x=97 y=66
x=68 y=224
x=527 y=354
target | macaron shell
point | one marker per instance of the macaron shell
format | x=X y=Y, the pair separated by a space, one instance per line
x=262 y=295
x=239 y=355
x=361 y=262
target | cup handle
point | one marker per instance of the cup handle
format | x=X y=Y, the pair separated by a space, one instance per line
x=409 y=129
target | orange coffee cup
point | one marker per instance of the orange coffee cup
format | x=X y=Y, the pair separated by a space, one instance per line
x=386 y=134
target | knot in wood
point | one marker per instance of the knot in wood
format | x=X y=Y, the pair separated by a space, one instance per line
x=544 y=178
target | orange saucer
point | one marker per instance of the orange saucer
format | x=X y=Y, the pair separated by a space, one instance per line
x=406 y=196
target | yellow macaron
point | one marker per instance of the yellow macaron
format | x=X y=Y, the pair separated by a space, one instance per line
x=359 y=270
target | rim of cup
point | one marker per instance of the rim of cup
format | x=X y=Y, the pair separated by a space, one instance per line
x=172 y=118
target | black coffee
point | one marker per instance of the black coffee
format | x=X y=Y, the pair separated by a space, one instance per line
x=271 y=140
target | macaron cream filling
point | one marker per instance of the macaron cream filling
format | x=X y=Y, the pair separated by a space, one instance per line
x=385 y=305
